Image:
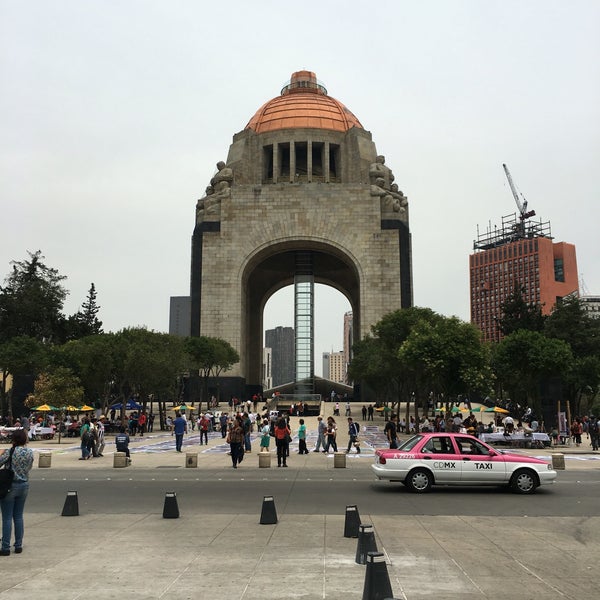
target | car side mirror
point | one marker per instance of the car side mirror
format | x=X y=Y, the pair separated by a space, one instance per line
x=491 y=453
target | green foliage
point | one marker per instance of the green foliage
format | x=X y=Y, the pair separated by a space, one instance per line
x=31 y=301
x=85 y=321
x=518 y=314
x=522 y=359
x=59 y=388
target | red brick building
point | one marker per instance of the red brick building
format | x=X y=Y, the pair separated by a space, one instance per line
x=520 y=253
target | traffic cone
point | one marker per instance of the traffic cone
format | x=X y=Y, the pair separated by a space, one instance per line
x=377 y=580
x=352 y=522
x=71 y=506
x=366 y=543
x=170 y=510
x=268 y=515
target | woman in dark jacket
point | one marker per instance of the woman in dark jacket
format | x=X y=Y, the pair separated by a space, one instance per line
x=235 y=437
x=282 y=435
x=21 y=461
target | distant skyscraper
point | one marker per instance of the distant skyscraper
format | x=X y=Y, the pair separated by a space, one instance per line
x=180 y=308
x=348 y=342
x=281 y=341
x=519 y=253
x=267 y=379
x=334 y=367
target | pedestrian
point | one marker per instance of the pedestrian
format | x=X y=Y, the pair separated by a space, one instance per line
x=391 y=432
x=235 y=439
x=594 y=431
x=330 y=435
x=223 y=419
x=370 y=412
x=93 y=443
x=282 y=441
x=85 y=436
x=203 y=424
x=576 y=431
x=180 y=428
x=321 y=429
x=20 y=460
x=247 y=424
x=100 y=426
x=364 y=413
x=352 y=435
x=348 y=412
x=302 y=438
x=265 y=436
x=151 y=418
x=122 y=442
x=142 y=420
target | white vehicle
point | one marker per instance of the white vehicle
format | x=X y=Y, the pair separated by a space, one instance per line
x=428 y=459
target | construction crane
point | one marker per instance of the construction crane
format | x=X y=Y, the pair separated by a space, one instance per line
x=522 y=206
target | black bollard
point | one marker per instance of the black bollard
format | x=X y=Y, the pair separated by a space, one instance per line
x=352 y=522
x=71 y=506
x=377 y=580
x=170 y=509
x=268 y=514
x=366 y=543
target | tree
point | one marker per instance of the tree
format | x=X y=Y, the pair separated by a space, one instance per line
x=59 y=388
x=209 y=356
x=85 y=321
x=447 y=356
x=369 y=366
x=19 y=356
x=522 y=359
x=92 y=359
x=31 y=301
x=518 y=314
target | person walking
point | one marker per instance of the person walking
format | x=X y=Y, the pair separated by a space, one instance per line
x=302 y=438
x=223 y=419
x=321 y=429
x=391 y=432
x=100 y=427
x=330 y=435
x=265 y=436
x=85 y=436
x=282 y=437
x=20 y=460
x=235 y=439
x=180 y=428
x=352 y=435
x=203 y=424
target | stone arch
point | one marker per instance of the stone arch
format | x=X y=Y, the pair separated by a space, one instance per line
x=271 y=268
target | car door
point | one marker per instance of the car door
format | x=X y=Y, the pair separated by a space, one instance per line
x=478 y=467
x=440 y=456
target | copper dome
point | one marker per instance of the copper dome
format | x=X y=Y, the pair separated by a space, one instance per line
x=303 y=103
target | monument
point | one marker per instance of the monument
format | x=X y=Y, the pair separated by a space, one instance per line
x=302 y=198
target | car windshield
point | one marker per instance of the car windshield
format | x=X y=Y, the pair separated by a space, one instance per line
x=410 y=443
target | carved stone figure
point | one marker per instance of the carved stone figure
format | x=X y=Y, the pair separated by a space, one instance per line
x=219 y=188
x=378 y=169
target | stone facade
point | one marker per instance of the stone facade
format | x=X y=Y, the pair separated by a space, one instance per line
x=298 y=189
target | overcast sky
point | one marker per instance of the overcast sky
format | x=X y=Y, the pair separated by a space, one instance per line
x=113 y=114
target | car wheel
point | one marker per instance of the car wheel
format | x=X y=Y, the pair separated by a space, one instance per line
x=419 y=481
x=523 y=481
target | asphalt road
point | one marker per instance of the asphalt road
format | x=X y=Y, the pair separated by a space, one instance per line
x=219 y=491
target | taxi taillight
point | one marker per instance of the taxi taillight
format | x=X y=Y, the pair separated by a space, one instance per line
x=382 y=460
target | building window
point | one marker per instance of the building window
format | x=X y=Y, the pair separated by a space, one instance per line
x=559 y=269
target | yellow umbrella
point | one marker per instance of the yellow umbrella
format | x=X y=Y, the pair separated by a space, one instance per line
x=45 y=408
x=85 y=408
x=497 y=409
x=183 y=407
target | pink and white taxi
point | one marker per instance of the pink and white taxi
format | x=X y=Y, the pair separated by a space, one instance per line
x=428 y=459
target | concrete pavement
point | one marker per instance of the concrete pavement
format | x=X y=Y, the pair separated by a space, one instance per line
x=232 y=556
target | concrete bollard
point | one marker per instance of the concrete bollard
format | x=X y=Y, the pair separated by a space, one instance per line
x=377 y=580
x=366 y=543
x=119 y=460
x=558 y=461
x=264 y=460
x=268 y=514
x=45 y=460
x=339 y=460
x=352 y=522
x=191 y=460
